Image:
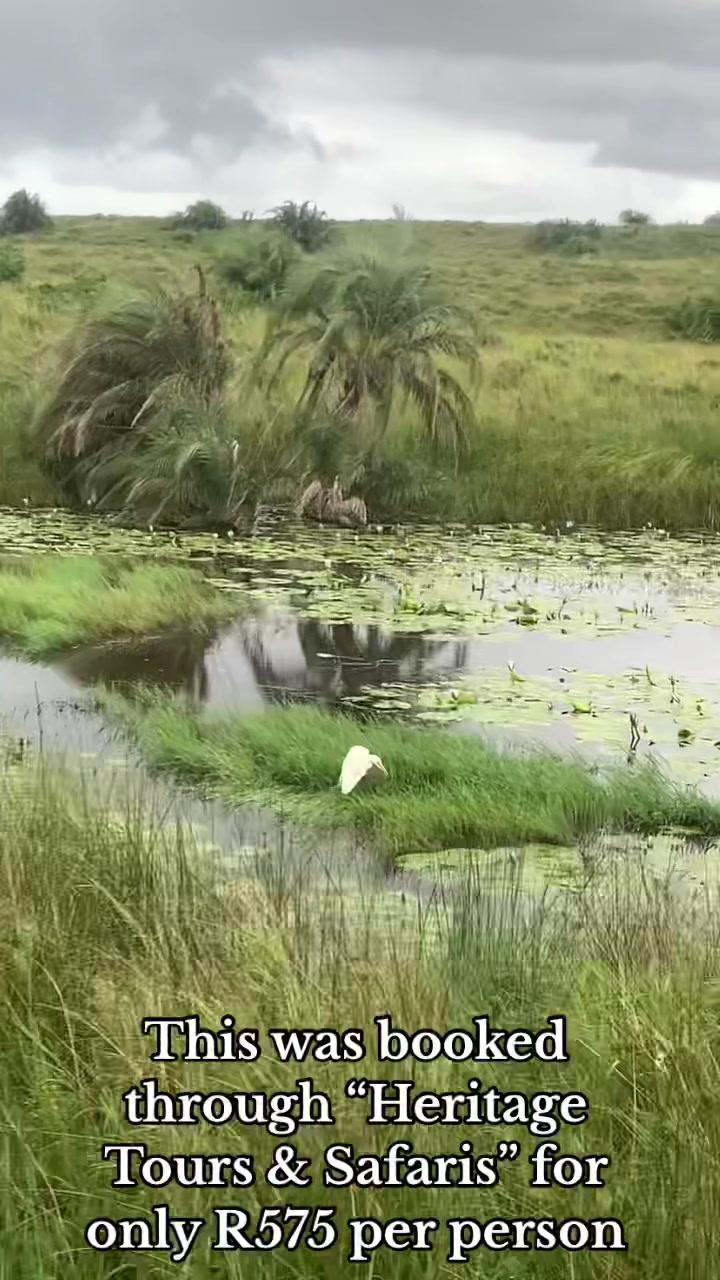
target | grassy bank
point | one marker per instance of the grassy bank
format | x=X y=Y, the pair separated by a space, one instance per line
x=586 y=411
x=444 y=791
x=603 y=432
x=49 y=606
x=105 y=921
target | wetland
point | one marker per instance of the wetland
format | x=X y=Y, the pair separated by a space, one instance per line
x=575 y=650
x=181 y=677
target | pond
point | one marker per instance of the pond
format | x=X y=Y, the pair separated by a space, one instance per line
x=573 y=638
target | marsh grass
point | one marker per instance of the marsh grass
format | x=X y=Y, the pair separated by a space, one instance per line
x=47 y=606
x=107 y=917
x=444 y=791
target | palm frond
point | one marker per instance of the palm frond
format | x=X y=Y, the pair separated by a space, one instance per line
x=370 y=327
x=118 y=373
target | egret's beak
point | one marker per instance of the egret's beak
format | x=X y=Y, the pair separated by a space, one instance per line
x=382 y=767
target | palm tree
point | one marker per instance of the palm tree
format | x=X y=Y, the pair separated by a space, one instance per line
x=119 y=377
x=204 y=215
x=304 y=223
x=201 y=465
x=375 y=332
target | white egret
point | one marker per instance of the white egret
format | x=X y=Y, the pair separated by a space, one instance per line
x=360 y=768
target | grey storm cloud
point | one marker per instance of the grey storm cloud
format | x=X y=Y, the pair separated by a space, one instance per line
x=636 y=80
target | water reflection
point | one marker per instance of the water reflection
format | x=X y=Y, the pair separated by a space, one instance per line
x=176 y=661
x=268 y=660
x=328 y=662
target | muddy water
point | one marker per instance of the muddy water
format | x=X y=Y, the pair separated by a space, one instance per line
x=557 y=639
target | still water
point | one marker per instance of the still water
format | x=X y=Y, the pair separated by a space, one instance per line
x=511 y=633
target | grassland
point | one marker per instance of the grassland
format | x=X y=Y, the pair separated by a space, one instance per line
x=444 y=791
x=587 y=410
x=47 y=606
x=107 y=919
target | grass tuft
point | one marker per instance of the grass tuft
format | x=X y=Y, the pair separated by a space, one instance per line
x=444 y=791
x=47 y=606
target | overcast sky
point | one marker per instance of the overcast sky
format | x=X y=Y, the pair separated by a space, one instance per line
x=476 y=109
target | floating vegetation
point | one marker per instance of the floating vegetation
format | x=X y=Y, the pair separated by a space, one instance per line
x=606 y=714
x=568 y=640
x=425 y=578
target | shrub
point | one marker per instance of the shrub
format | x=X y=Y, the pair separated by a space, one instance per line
x=260 y=266
x=12 y=263
x=566 y=236
x=22 y=214
x=634 y=218
x=201 y=216
x=304 y=223
x=696 y=320
x=202 y=463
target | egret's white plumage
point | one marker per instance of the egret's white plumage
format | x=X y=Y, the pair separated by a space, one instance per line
x=360 y=768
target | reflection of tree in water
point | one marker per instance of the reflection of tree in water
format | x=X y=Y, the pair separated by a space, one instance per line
x=353 y=657
x=175 y=661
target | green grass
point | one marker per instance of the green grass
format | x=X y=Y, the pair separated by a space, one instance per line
x=106 y=919
x=587 y=411
x=444 y=791
x=47 y=606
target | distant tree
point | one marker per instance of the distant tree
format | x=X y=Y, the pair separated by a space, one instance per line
x=307 y=225
x=22 y=214
x=204 y=215
x=635 y=218
x=247 y=215
x=712 y=220
x=12 y=263
x=400 y=213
